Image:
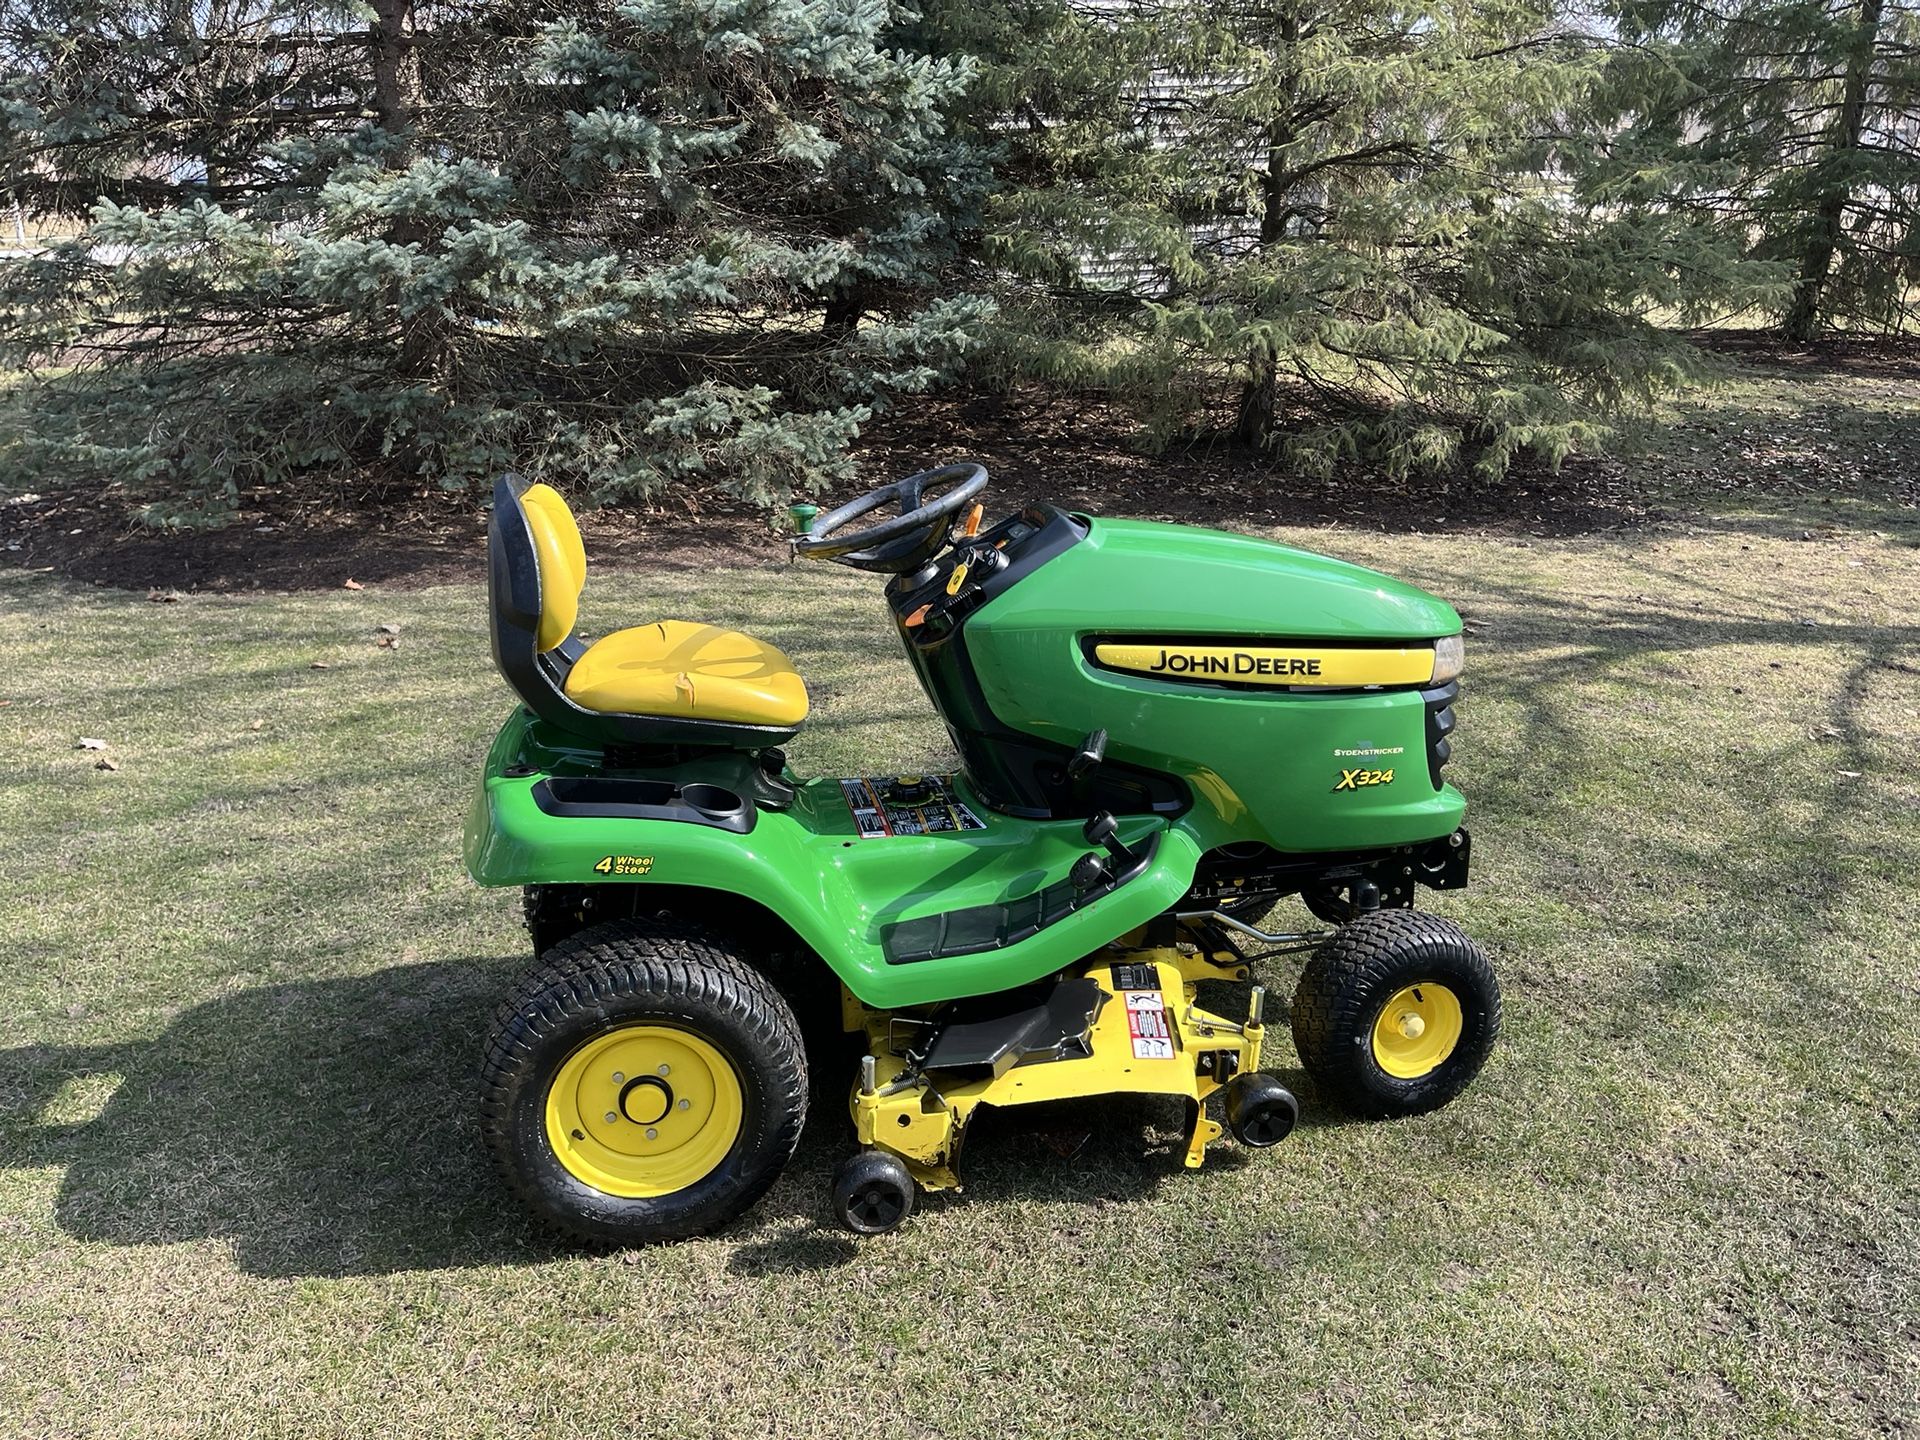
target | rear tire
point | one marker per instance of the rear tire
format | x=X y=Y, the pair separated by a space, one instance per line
x=685 y=1144
x=1396 y=1013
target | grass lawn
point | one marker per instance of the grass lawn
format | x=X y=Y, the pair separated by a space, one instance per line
x=246 y=980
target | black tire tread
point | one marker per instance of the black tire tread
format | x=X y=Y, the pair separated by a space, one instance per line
x=620 y=958
x=865 y=1167
x=1343 y=984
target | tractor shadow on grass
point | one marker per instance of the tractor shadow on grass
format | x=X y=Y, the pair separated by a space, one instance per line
x=323 y=1127
x=327 y=1128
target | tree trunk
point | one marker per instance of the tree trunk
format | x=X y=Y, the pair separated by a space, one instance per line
x=843 y=313
x=396 y=91
x=394 y=78
x=1816 y=264
x=1257 y=398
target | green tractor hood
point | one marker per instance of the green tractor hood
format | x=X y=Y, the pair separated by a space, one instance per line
x=1140 y=577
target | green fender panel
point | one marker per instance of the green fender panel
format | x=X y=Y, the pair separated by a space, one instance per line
x=838 y=892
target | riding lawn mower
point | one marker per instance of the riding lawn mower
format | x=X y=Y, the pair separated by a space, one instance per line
x=1161 y=732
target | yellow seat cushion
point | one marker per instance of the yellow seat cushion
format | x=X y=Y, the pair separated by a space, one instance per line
x=675 y=667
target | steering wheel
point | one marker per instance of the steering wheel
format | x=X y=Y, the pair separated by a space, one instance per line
x=910 y=538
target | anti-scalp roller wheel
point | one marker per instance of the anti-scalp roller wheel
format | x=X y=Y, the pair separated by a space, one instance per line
x=872 y=1192
x=1260 y=1110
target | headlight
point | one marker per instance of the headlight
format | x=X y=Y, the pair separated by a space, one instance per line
x=1448 y=655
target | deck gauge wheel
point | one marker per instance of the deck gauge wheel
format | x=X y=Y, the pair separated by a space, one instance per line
x=1260 y=1110
x=872 y=1192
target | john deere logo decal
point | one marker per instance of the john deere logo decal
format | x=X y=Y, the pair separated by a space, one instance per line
x=1356 y=779
x=1271 y=665
x=1240 y=662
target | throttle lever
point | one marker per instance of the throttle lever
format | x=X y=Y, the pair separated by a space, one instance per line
x=1087 y=760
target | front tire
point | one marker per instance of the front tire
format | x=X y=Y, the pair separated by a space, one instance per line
x=1396 y=1013
x=643 y=1083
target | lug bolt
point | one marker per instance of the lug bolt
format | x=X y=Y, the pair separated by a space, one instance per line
x=618 y=1076
x=652 y=1134
x=666 y=1069
x=686 y=1104
x=612 y=1117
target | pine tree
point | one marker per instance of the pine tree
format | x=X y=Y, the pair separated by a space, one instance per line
x=1349 y=217
x=646 y=242
x=1791 y=128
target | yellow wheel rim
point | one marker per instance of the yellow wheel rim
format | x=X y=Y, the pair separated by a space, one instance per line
x=644 y=1110
x=1417 y=1030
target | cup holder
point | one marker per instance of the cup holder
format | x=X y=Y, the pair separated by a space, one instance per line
x=716 y=802
x=620 y=797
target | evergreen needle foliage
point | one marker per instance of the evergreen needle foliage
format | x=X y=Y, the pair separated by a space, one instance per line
x=636 y=244
x=1790 y=131
x=628 y=246
x=1343 y=228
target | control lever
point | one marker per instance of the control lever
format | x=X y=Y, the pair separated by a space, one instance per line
x=1087 y=760
x=1100 y=830
x=1089 y=870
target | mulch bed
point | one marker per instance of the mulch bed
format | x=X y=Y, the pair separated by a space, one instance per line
x=1039 y=445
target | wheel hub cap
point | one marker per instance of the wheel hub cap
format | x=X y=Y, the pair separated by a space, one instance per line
x=644 y=1110
x=1417 y=1029
x=652 y=1104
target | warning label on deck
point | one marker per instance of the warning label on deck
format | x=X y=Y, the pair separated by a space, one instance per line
x=1147 y=1024
x=885 y=805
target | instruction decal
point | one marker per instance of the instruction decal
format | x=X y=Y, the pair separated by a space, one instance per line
x=1147 y=1024
x=884 y=805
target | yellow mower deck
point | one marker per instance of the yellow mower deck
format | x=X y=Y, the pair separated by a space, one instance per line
x=1148 y=1037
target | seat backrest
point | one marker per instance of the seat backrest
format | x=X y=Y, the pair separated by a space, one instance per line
x=560 y=558
x=535 y=568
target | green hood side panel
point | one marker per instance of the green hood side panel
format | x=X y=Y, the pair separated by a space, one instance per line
x=1262 y=765
x=808 y=866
